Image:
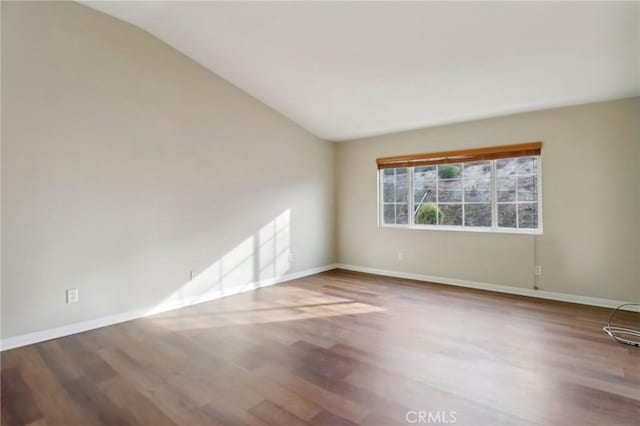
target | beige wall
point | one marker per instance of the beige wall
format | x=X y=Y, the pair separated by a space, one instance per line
x=591 y=208
x=125 y=165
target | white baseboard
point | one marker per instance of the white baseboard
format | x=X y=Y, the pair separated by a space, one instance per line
x=66 y=330
x=541 y=294
x=79 y=327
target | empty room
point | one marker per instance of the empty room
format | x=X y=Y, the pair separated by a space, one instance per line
x=320 y=213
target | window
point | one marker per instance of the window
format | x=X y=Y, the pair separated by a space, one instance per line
x=491 y=192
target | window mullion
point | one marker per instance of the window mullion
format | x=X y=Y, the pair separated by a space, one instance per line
x=410 y=196
x=462 y=179
x=539 y=192
x=395 y=196
x=517 y=202
x=494 y=196
x=380 y=196
x=437 y=195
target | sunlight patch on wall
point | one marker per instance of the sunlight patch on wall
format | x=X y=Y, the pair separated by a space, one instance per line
x=274 y=247
x=255 y=261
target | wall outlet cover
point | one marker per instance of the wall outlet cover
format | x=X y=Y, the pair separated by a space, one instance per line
x=72 y=295
x=538 y=270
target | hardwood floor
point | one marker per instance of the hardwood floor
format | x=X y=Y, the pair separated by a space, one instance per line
x=338 y=348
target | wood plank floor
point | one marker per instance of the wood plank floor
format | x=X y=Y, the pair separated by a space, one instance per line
x=338 y=348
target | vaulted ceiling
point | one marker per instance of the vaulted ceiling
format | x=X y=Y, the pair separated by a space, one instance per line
x=353 y=69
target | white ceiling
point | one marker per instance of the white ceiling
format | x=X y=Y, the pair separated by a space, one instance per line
x=347 y=70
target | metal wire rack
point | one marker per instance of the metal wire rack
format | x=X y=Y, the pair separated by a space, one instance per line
x=626 y=335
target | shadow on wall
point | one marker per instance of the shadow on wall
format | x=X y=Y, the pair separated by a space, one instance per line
x=259 y=260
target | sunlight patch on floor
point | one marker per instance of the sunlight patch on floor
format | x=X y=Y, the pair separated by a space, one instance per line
x=282 y=304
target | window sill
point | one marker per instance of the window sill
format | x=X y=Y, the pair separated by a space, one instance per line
x=462 y=229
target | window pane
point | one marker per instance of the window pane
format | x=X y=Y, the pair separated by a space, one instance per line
x=527 y=166
x=389 y=173
x=389 y=214
x=477 y=215
x=449 y=191
x=427 y=214
x=506 y=189
x=506 y=167
x=451 y=214
x=388 y=185
x=402 y=214
x=402 y=185
x=387 y=192
x=476 y=190
x=424 y=184
x=527 y=188
x=395 y=193
x=449 y=171
x=528 y=215
x=507 y=215
x=425 y=172
x=424 y=192
x=477 y=170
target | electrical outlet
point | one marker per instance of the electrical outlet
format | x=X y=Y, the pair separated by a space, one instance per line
x=400 y=255
x=72 y=295
x=538 y=270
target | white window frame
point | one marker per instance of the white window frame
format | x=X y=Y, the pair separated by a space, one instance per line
x=494 y=228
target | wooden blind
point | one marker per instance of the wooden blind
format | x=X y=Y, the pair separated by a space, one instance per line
x=462 y=156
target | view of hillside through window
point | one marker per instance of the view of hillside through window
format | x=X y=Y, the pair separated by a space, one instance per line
x=486 y=194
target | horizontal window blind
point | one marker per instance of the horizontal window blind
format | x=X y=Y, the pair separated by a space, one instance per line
x=461 y=156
